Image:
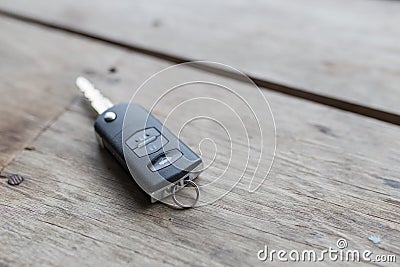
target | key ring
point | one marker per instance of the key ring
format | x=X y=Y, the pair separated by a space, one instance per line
x=197 y=194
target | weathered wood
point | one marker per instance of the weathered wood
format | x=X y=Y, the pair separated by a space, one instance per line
x=32 y=74
x=30 y=99
x=335 y=175
x=321 y=46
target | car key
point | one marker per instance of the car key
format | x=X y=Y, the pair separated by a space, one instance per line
x=159 y=162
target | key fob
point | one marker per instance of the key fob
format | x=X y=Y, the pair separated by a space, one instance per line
x=153 y=155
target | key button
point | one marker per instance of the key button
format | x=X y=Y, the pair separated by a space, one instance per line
x=142 y=138
x=146 y=141
x=165 y=160
x=110 y=116
x=152 y=147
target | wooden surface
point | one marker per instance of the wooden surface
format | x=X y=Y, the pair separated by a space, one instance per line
x=344 y=49
x=336 y=174
x=24 y=114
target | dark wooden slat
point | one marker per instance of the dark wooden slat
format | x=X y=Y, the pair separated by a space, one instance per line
x=288 y=90
x=322 y=48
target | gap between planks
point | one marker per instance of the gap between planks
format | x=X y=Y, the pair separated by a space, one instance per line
x=269 y=85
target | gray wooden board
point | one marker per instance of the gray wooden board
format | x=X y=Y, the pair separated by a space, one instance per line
x=344 y=49
x=31 y=96
x=335 y=176
x=29 y=101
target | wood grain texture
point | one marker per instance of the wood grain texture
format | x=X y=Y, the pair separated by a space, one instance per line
x=336 y=175
x=344 y=49
x=32 y=74
x=25 y=71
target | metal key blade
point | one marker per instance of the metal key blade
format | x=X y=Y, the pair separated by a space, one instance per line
x=96 y=99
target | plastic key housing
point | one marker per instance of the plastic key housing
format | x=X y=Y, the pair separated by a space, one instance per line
x=152 y=154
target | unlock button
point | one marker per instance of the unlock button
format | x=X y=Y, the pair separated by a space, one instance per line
x=165 y=160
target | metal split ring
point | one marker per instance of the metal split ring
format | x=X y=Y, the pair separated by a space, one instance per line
x=183 y=206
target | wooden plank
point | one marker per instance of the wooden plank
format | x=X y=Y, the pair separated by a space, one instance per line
x=24 y=81
x=31 y=98
x=322 y=47
x=335 y=176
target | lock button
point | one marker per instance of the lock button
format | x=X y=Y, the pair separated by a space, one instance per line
x=154 y=145
x=143 y=137
x=146 y=142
